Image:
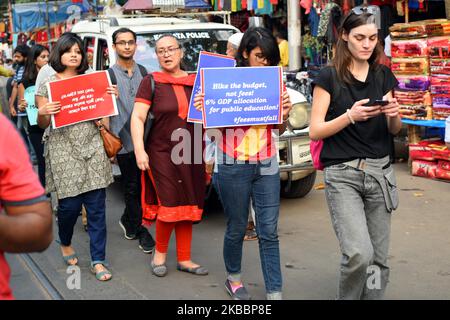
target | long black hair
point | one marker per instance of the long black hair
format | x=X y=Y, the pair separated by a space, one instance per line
x=31 y=70
x=262 y=38
x=63 y=45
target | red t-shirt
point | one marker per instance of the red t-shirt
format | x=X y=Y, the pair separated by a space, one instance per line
x=19 y=185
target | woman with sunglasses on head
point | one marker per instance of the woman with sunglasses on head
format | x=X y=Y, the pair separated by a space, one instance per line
x=77 y=167
x=174 y=186
x=248 y=171
x=356 y=129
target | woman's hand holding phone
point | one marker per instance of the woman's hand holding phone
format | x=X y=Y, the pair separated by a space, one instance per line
x=391 y=110
x=360 y=112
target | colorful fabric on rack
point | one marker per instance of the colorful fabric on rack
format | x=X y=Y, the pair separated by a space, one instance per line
x=441 y=113
x=413 y=97
x=417 y=112
x=407 y=31
x=413 y=82
x=440 y=66
x=441 y=102
x=438 y=47
x=409 y=48
x=410 y=66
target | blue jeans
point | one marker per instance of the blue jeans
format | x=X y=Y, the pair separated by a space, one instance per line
x=236 y=185
x=68 y=211
x=362 y=225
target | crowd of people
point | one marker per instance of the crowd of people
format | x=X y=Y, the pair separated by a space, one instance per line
x=73 y=166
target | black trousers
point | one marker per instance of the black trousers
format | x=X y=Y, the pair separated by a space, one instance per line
x=131 y=183
x=38 y=146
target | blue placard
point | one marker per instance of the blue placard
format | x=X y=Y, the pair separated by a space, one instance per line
x=206 y=60
x=242 y=96
x=32 y=110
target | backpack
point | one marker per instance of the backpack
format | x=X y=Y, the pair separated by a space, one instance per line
x=149 y=120
x=315 y=147
x=112 y=75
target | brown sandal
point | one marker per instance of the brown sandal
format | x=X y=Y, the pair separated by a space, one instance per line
x=250 y=235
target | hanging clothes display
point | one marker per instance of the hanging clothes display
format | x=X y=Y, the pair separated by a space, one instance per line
x=325 y=18
x=313 y=19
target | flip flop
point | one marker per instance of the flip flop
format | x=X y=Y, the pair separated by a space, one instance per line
x=70 y=257
x=99 y=274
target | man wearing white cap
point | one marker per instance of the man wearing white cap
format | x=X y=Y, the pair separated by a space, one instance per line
x=233 y=44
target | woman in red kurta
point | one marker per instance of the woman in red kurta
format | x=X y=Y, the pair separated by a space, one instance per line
x=173 y=182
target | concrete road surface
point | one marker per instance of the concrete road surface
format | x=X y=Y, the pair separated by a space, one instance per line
x=419 y=256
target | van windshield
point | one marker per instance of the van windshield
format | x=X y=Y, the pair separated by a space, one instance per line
x=192 y=42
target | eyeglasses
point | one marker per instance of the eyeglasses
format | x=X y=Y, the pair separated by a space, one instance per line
x=260 y=57
x=171 y=51
x=124 y=43
x=365 y=9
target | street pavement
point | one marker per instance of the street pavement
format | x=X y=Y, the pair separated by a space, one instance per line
x=419 y=256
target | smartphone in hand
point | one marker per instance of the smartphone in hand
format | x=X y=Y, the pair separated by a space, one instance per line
x=376 y=103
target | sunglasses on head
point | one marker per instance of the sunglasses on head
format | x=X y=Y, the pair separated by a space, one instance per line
x=374 y=11
x=365 y=9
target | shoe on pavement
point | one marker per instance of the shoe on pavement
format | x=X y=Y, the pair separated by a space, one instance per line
x=126 y=229
x=237 y=293
x=274 y=296
x=146 y=242
x=159 y=270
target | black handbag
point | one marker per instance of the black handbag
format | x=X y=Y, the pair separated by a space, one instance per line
x=149 y=121
x=148 y=126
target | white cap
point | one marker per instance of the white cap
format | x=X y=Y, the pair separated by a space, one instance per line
x=235 y=39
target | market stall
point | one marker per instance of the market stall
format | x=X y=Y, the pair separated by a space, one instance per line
x=421 y=62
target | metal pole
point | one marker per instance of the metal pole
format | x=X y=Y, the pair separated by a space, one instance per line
x=294 y=34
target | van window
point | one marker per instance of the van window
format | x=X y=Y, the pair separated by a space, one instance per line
x=192 y=42
x=89 y=46
x=102 y=55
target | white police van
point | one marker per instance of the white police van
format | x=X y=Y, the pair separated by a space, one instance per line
x=297 y=173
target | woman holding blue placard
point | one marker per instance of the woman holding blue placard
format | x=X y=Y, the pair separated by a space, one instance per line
x=248 y=170
x=38 y=59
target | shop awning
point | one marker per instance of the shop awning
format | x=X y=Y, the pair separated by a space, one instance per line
x=29 y=16
x=138 y=5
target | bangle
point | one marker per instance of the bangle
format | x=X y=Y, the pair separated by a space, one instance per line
x=350 y=117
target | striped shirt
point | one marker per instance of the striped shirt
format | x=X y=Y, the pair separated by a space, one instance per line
x=127 y=87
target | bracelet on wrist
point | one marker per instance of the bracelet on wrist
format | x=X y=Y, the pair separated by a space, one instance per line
x=349 y=116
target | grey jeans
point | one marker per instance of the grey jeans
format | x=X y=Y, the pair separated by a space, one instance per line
x=362 y=225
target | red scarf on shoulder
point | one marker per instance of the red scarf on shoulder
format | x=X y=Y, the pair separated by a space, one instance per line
x=178 y=84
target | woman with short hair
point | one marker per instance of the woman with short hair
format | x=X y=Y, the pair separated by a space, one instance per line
x=77 y=167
